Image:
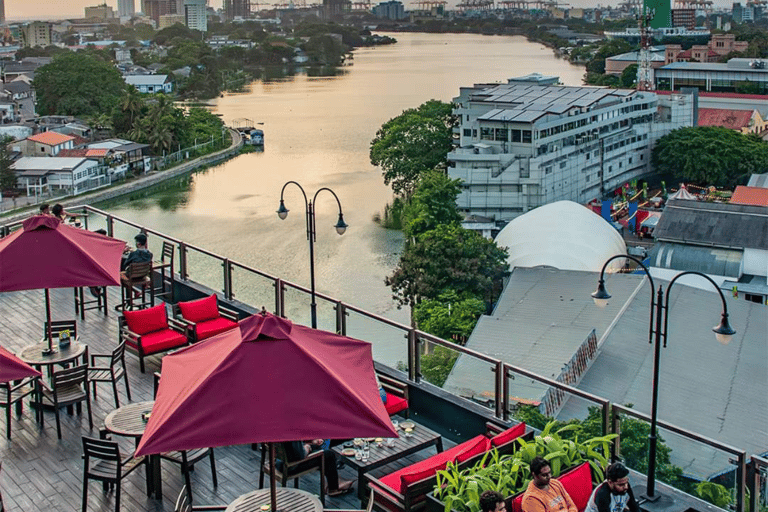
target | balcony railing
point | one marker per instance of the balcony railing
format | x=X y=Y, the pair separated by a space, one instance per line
x=402 y=347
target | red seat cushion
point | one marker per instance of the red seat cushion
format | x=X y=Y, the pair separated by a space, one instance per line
x=400 y=479
x=143 y=321
x=395 y=404
x=578 y=483
x=508 y=435
x=517 y=503
x=213 y=327
x=200 y=310
x=475 y=446
x=160 y=341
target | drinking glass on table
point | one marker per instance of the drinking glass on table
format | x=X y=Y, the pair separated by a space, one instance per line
x=366 y=451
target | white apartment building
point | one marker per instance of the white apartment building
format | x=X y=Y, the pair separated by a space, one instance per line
x=530 y=142
x=126 y=8
x=196 y=14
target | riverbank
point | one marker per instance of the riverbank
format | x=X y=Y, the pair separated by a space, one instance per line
x=151 y=179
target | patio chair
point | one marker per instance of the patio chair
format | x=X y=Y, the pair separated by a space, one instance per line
x=97 y=302
x=102 y=461
x=111 y=373
x=137 y=278
x=166 y=271
x=11 y=394
x=205 y=317
x=69 y=387
x=58 y=326
x=293 y=470
x=150 y=331
x=184 y=502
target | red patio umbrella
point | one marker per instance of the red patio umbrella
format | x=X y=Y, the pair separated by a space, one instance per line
x=12 y=368
x=46 y=253
x=268 y=381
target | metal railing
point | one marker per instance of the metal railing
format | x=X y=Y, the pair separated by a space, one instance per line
x=750 y=475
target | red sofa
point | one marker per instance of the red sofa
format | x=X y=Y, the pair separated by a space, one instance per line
x=577 y=482
x=405 y=490
x=397 y=394
x=150 y=331
x=205 y=317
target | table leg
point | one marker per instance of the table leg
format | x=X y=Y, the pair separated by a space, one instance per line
x=361 y=486
x=439 y=444
x=157 y=484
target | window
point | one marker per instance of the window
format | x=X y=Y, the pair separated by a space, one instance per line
x=516 y=136
x=486 y=133
x=630 y=159
x=474 y=133
x=467 y=132
x=548 y=170
x=527 y=136
x=501 y=134
x=562 y=165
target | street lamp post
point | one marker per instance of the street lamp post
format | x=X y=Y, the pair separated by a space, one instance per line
x=656 y=333
x=340 y=226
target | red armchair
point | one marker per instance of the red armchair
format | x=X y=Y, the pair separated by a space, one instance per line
x=205 y=317
x=150 y=331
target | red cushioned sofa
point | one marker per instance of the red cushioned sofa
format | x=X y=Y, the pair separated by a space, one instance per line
x=205 y=317
x=576 y=481
x=397 y=394
x=405 y=490
x=150 y=331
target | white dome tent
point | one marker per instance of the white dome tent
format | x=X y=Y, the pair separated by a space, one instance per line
x=564 y=235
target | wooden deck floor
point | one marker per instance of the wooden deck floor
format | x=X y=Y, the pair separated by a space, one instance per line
x=42 y=473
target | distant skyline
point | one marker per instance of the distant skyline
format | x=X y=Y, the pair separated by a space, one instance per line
x=45 y=9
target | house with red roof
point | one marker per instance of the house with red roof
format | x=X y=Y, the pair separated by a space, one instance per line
x=744 y=121
x=756 y=196
x=45 y=144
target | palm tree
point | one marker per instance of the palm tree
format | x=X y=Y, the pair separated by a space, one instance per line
x=132 y=102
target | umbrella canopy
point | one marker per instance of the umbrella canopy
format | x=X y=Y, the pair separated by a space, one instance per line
x=12 y=368
x=46 y=253
x=268 y=381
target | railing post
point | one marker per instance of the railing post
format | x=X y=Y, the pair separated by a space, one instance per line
x=500 y=377
x=341 y=318
x=279 y=298
x=615 y=429
x=606 y=410
x=741 y=481
x=414 y=369
x=183 y=261
x=110 y=225
x=227 y=279
x=505 y=398
x=753 y=484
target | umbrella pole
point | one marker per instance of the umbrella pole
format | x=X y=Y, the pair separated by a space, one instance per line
x=272 y=485
x=48 y=320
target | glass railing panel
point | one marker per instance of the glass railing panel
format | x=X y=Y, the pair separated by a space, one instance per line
x=204 y=269
x=437 y=364
x=297 y=305
x=253 y=289
x=390 y=344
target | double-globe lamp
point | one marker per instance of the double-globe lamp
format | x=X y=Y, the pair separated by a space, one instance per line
x=658 y=331
x=340 y=226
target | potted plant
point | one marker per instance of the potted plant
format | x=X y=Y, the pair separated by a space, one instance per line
x=459 y=490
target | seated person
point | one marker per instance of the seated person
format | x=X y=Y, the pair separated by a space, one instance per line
x=492 y=501
x=298 y=450
x=544 y=493
x=58 y=212
x=140 y=255
x=382 y=392
x=615 y=494
x=45 y=209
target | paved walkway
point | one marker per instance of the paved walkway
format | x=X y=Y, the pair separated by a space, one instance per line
x=23 y=205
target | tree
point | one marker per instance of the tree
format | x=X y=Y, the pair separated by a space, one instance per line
x=710 y=155
x=433 y=203
x=449 y=316
x=447 y=257
x=413 y=142
x=7 y=174
x=78 y=85
x=629 y=76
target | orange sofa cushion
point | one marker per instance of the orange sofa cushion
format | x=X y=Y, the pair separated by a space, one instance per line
x=508 y=435
x=213 y=327
x=395 y=404
x=578 y=483
x=200 y=310
x=144 y=321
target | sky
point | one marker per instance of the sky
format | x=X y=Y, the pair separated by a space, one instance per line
x=48 y=9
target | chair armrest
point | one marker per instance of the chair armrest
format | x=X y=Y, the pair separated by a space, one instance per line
x=99 y=356
x=228 y=313
x=26 y=381
x=393 y=386
x=208 y=507
x=312 y=456
x=184 y=321
x=127 y=333
x=492 y=429
x=179 y=326
x=385 y=491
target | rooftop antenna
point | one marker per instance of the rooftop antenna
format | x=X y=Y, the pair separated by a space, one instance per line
x=644 y=69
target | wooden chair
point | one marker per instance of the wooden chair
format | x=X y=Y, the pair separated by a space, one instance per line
x=102 y=462
x=205 y=317
x=69 y=387
x=150 y=331
x=11 y=394
x=138 y=277
x=58 y=326
x=293 y=470
x=166 y=270
x=111 y=373
x=397 y=394
x=98 y=302
x=184 y=502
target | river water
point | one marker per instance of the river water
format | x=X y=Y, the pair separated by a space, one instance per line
x=318 y=132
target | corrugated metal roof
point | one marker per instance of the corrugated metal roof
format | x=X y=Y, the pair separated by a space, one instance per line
x=758 y=180
x=709 y=260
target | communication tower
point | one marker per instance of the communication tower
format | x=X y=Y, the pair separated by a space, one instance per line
x=644 y=69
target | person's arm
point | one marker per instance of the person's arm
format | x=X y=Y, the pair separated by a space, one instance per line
x=632 y=503
x=603 y=498
x=568 y=501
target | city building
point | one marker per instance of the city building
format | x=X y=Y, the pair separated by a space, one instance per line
x=236 y=9
x=744 y=121
x=45 y=144
x=126 y=8
x=618 y=63
x=102 y=11
x=742 y=13
x=37 y=33
x=392 y=10
x=168 y=20
x=684 y=18
x=530 y=142
x=156 y=8
x=195 y=15
x=740 y=75
x=148 y=84
x=2 y=11
x=42 y=175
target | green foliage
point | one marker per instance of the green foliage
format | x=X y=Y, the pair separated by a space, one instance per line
x=78 y=85
x=433 y=203
x=449 y=316
x=629 y=76
x=609 y=48
x=447 y=257
x=710 y=156
x=714 y=493
x=437 y=365
x=7 y=174
x=413 y=142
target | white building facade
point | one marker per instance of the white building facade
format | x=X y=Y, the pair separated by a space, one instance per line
x=126 y=8
x=196 y=15
x=528 y=143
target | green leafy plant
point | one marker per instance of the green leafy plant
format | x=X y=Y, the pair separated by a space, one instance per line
x=716 y=494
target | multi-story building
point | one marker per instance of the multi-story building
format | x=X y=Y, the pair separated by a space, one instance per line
x=156 y=8
x=126 y=8
x=168 y=20
x=37 y=33
x=742 y=13
x=739 y=75
x=2 y=11
x=195 y=14
x=392 y=10
x=530 y=142
x=684 y=18
x=103 y=12
x=236 y=9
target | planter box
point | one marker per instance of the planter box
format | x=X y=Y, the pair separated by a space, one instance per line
x=435 y=505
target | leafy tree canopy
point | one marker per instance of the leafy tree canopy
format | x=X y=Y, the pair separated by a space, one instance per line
x=710 y=155
x=7 y=174
x=447 y=257
x=415 y=141
x=176 y=30
x=449 y=316
x=78 y=85
x=433 y=203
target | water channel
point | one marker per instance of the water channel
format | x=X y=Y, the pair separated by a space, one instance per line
x=318 y=131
